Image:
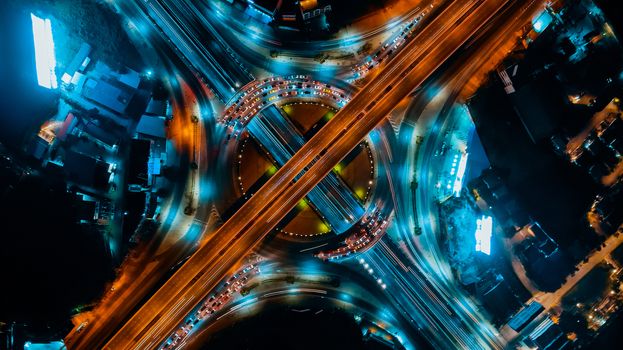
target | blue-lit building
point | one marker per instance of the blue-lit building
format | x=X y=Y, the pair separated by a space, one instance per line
x=547 y=336
x=108 y=94
x=78 y=63
x=525 y=315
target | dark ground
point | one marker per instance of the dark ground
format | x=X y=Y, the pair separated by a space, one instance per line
x=50 y=264
x=282 y=328
x=345 y=12
x=552 y=190
x=612 y=10
x=610 y=335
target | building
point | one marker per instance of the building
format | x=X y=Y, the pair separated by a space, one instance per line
x=493 y=196
x=117 y=93
x=93 y=209
x=86 y=171
x=543 y=242
x=156 y=107
x=538 y=106
x=524 y=316
x=546 y=265
x=37 y=147
x=497 y=296
x=108 y=94
x=151 y=127
x=154 y=130
x=290 y=14
x=67 y=126
x=609 y=208
x=96 y=132
x=546 y=336
x=612 y=135
x=137 y=165
x=314 y=9
x=78 y=64
x=85 y=208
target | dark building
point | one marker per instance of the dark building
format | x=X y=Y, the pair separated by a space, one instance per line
x=292 y=14
x=137 y=165
x=105 y=136
x=86 y=171
x=497 y=296
x=612 y=135
x=601 y=151
x=85 y=209
x=490 y=188
x=608 y=206
x=538 y=108
x=545 y=263
x=612 y=11
x=543 y=242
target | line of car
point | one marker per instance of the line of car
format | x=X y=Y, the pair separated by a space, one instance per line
x=258 y=95
x=214 y=303
x=389 y=47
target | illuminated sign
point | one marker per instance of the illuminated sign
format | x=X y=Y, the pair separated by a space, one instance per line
x=484 y=229
x=45 y=61
x=541 y=22
x=460 y=171
x=316 y=12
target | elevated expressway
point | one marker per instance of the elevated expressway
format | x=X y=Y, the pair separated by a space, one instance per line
x=332 y=198
x=435 y=44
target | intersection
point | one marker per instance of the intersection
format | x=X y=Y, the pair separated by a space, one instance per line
x=444 y=31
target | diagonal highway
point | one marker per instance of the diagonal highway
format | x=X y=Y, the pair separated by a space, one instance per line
x=435 y=44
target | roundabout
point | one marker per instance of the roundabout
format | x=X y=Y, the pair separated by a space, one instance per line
x=266 y=122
